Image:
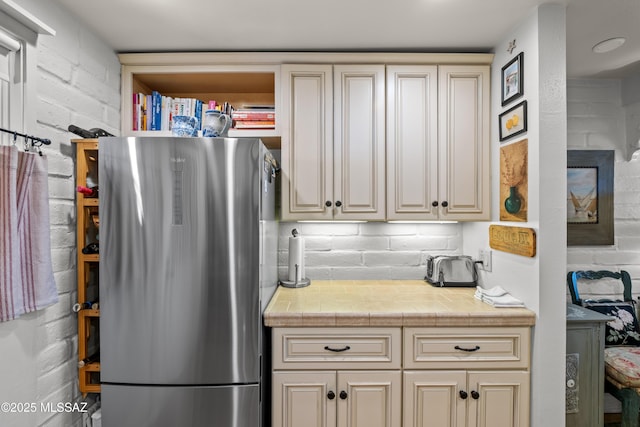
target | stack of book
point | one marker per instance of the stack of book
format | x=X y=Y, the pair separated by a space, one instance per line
x=155 y=111
x=254 y=117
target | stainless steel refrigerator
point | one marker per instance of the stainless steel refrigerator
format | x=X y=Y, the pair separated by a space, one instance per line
x=188 y=247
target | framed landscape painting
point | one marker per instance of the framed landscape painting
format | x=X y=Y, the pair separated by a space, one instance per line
x=590 y=197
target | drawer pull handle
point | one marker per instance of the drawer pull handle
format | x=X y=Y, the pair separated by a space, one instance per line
x=463 y=394
x=476 y=348
x=343 y=395
x=475 y=395
x=337 y=350
x=331 y=395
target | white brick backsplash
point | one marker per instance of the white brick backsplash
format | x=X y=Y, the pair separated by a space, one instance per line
x=368 y=250
x=360 y=273
x=317 y=243
x=374 y=259
x=424 y=243
x=378 y=229
x=322 y=229
x=360 y=243
x=407 y=273
x=333 y=259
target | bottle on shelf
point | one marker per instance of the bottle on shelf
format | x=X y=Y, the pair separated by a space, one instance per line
x=90 y=359
x=91 y=248
x=88 y=305
x=91 y=192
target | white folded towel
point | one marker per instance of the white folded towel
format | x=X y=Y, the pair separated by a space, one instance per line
x=497 y=297
x=503 y=301
x=496 y=291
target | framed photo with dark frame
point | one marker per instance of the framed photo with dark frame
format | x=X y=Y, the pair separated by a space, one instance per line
x=590 y=197
x=513 y=121
x=513 y=79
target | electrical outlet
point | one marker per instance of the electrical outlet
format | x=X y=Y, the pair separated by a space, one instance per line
x=484 y=255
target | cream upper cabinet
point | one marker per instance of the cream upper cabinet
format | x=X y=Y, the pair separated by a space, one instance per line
x=412 y=142
x=307 y=142
x=359 y=142
x=463 y=133
x=333 y=142
x=438 y=142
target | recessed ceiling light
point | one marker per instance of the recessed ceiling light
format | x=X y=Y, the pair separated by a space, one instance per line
x=609 y=45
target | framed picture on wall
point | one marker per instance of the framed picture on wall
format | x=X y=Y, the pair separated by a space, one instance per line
x=513 y=79
x=514 y=177
x=513 y=121
x=590 y=197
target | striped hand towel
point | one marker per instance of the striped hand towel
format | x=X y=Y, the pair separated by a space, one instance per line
x=32 y=196
x=11 y=301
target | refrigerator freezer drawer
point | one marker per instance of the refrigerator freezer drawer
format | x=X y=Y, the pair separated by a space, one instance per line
x=141 y=406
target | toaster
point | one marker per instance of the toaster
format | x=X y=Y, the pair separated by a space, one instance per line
x=451 y=270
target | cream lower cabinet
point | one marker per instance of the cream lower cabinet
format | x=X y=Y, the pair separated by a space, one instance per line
x=466 y=398
x=466 y=377
x=333 y=142
x=328 y=377
x=337 y=398
x=353 y=377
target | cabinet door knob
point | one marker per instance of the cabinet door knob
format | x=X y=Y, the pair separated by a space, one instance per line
x=343 y=395
x=463 y=394
x=331 y=395
x=445 y=204
x=338 y=203
x=475 y=394
x=434 y=203
x=328 y=203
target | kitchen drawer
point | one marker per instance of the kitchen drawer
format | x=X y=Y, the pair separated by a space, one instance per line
x=435 y=348
x=336 y=348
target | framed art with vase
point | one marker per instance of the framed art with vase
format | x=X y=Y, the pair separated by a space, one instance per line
x=514 y=181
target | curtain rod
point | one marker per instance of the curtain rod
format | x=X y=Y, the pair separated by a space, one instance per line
x=42 y=141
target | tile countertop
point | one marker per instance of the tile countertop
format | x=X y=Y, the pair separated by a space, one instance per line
x=327 y=303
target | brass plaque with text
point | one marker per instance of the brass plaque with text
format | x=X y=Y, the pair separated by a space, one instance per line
x=516 y=240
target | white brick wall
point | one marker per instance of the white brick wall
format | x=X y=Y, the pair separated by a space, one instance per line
x=77 y=82
x=596 y=120
x=368 y=250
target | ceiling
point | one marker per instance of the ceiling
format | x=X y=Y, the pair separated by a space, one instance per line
x=331 y=25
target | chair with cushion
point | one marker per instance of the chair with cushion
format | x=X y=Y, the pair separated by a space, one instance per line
x=600 y=291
